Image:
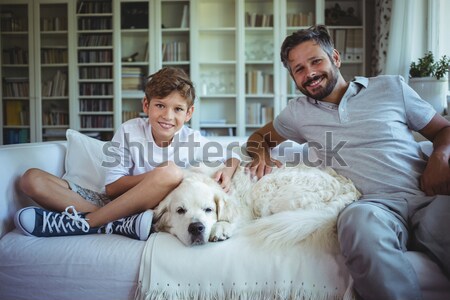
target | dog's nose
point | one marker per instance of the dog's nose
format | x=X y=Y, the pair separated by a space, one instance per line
x=196 y=228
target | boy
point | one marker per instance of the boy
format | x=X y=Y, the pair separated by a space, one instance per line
x=149 y=153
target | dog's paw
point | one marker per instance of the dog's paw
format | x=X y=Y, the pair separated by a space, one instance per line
x=220 y=232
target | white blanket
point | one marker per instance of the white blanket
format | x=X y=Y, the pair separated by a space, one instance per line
x=238 y=269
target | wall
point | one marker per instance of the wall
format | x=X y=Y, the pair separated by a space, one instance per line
x=419 y=31
x=444 y=25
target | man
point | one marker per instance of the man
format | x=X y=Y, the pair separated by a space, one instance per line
x=363 y=130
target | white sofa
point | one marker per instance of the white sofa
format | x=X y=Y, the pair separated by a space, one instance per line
x=110 y=266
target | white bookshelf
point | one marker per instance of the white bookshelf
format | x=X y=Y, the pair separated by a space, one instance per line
x=53 y=72
x=230 y=49
x=17 y=109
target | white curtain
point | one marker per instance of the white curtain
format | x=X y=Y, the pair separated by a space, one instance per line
x=383 y=11
x=400 y=43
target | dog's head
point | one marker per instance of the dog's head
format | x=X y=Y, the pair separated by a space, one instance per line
x=190 y=210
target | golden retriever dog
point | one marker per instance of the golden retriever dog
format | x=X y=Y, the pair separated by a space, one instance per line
x=282 y=208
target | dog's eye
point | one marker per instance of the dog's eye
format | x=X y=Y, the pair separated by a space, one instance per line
x=181 y=211
x=208 y=210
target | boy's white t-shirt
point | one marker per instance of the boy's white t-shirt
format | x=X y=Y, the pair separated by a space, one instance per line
x=133 y=150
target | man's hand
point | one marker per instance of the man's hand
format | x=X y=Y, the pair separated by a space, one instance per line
x=259 y=145
x=262 y=165
x=435 y=179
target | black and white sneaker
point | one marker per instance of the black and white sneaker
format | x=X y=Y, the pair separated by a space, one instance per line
x=136 y=226
x=39 y=222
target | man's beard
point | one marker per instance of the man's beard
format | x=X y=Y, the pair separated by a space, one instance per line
x=322 y=93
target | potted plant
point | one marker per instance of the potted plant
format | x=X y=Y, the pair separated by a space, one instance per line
x=429 y=79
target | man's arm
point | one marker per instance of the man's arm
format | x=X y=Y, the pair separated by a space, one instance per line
x=259 y=145
x=436 y=177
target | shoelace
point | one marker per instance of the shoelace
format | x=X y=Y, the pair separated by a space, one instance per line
x=58 y=221
x=126 y=226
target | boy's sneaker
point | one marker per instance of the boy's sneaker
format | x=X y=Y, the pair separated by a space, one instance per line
x=39 y=222
x=136 y=226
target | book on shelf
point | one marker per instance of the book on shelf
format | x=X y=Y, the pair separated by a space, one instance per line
x=96 y=105
x=132 y=78
x=94 y=7
x=185 y=17
x=16 y=136
x=94 y=121
x=340 y=38
x=175 y=51
x=349 y=43
x=229 y=131
x=16 y=113
x=253 y=19
x=55 y=87
x=54 y=24
x=54 y=54
x=16 y=87
x=259 y=82
x=95 y=72
x=146 y=52
x=97 y=40
x=15 y=55
x=213 y=122
x=10 y=23
x=354 y=45
x=80 y=7
x=300 y=19
x=266 y=114
x=128 y=115
x=55 y=117
x=258 y=113
x=96 y=89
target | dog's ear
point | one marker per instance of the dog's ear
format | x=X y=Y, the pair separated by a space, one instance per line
x=220 y=200
x=159 y=219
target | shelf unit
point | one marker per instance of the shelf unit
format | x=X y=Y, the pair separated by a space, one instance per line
x=53 y=73
x=153 y=34
x=348 y=33
x=135 y=55
x=18 y=93
x=95 y=105
x=107 y=48
x=261 y=21
x=240 y=79
x=215 y=66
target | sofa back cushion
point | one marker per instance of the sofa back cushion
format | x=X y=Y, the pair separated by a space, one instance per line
x=84 y=159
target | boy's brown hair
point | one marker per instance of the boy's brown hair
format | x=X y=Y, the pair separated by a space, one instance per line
x=168 y=80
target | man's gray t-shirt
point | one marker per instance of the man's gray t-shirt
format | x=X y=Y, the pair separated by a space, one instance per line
x=367 y=137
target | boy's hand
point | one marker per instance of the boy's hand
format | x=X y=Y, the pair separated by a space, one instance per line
x=223 y=176
x=223 y=179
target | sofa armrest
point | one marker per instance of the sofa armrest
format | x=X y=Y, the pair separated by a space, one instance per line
x=15 y=160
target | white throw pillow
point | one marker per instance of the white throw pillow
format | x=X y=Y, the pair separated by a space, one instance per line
x=84 y=157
